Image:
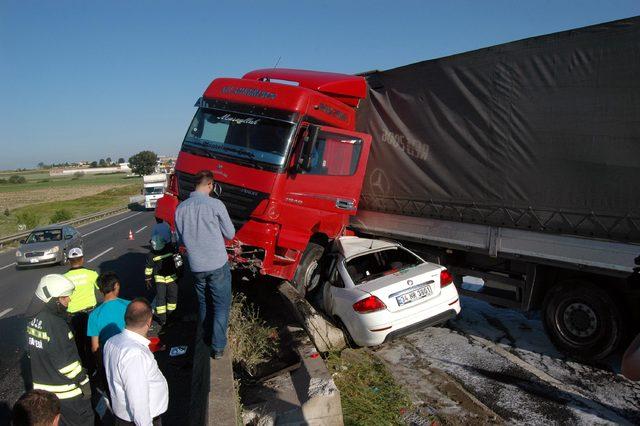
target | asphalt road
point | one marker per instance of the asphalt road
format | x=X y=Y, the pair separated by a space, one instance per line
x=106 y=247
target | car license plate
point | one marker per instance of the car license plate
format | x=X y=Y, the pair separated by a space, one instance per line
x=417 y=294
x=33 y=260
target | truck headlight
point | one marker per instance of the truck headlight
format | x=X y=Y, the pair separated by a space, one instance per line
x=18 y=253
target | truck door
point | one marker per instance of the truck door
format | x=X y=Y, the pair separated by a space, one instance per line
x=331 y=180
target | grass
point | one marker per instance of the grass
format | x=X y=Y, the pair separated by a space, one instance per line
x=368 y=393
x=111 y=198
x=250 y=339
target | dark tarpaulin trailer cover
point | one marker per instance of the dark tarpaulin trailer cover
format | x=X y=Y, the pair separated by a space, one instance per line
x=540 y=134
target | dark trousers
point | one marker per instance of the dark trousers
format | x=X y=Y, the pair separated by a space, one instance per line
x=166 y=300
x=76 y=412
x=157 y=421
x=79 y=322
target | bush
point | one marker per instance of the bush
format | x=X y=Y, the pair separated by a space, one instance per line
x=77 y=175
x=60 y=216
x=7 y=212
x=3 y=181
x=28 y=218
x=250 y=339
x=44 y=180
x=17 y=179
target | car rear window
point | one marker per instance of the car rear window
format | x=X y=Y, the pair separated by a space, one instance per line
x=374 y=265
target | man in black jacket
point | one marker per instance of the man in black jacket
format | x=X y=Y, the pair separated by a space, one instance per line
x=55 y=364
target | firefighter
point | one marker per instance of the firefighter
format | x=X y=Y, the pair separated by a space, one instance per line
x=83 y=301
x=161 y=269
x=55 y=364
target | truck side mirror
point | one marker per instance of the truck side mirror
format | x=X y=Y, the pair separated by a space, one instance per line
x=308 y=146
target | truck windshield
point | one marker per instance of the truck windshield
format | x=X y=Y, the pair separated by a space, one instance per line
x=153 y=190
x=238 y=135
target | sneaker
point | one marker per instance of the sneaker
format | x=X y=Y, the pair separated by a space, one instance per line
x=217 y=354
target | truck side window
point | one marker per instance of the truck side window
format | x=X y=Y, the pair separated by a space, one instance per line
x=335 y=155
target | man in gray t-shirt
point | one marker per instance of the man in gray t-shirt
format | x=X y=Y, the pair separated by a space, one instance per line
x=202 y=225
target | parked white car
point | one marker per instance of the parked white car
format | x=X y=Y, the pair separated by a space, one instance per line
x=377 y=290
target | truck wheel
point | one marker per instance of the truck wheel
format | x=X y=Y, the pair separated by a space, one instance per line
x=307 y=275
x=582 y=320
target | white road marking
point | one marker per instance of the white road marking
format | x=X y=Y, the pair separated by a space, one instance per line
x=103 y=253
x=5 y=312
x=111 y=224
x=5 y=267
x=143 y=228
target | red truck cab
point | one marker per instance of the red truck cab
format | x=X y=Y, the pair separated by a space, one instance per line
x=287 y=162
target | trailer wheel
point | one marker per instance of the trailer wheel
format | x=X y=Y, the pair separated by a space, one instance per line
x=582 y=320
x=307 y=275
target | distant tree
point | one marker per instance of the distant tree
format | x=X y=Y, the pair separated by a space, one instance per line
x=7 y=212
x=17 y=179
x=102 y=163
x=143 y=163
x=121 y=160
x=109 y=162
x=41 y=165
x=3 y=181
x=93 y=164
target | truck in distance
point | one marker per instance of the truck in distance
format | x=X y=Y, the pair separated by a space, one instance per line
x=153 y=189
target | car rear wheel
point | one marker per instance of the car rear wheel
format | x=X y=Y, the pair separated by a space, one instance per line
x=583 y=320
x=348 y=340
x=307 y=276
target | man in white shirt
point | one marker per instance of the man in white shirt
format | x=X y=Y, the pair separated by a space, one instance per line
x=139 y=391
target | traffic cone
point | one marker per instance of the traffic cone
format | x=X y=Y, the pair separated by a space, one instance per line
x=130 y=235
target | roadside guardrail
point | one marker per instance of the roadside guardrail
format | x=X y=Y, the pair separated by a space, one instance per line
x=88 y=218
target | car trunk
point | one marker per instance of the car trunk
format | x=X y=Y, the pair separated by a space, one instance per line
x=409 y=285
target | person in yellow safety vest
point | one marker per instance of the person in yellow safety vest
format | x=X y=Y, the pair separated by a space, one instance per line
x=161 y=269
x=83 y=300
x=55 y=364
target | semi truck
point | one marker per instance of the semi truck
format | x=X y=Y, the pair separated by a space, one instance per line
x=514 y=164
x=153 y=189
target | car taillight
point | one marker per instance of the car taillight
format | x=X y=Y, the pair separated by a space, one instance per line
x=370 y=304
x=445 y=278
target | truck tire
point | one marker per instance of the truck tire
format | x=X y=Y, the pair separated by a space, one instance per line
x=582 y=320
x=307 y=275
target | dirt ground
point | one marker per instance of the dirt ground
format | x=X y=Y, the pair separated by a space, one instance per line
x=15 y=199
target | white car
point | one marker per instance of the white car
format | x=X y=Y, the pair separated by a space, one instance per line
x=377 y=290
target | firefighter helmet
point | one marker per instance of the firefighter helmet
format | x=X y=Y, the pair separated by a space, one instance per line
x=157 y=242
x=54 y=285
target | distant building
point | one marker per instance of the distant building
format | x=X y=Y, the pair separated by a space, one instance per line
x=120 y=168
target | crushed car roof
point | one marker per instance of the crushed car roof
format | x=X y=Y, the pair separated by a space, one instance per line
x=352 y=246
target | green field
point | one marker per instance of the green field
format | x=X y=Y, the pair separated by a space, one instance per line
x=43 y=180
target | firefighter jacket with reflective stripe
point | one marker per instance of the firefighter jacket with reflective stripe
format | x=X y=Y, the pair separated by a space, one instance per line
x=55 y=364
x=161 y=266
x=84 y=295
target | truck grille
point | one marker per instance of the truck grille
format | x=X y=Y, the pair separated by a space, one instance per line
x=240 y=202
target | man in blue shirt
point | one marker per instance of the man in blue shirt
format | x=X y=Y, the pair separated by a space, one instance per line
x=202 y=224
x=107 y=319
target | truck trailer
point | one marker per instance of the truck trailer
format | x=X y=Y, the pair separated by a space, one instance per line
x=516 y=164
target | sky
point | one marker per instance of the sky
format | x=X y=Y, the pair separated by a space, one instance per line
x=84 y=80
